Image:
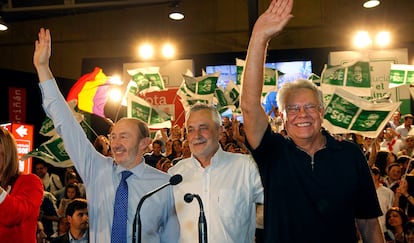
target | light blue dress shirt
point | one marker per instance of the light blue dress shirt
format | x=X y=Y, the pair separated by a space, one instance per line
x=101 y=178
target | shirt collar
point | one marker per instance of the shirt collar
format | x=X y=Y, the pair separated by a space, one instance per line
x=137 y=170
x=83 y=238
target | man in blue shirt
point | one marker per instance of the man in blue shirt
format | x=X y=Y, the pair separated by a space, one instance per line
x=102 y=175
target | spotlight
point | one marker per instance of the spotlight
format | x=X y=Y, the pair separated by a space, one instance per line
x=3 y=25
x=175 y=12
x=146 y=51
x=362 y=39
x=371 y=3
x=383 y=38
x=168 y=51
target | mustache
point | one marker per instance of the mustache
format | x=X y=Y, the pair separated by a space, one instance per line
x=199 y=140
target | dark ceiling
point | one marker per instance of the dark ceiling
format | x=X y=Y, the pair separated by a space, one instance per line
x=23 y=10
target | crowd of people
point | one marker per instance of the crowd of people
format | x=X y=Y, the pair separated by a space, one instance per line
x=309 y=185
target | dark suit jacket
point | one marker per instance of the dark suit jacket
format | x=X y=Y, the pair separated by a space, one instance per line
x=62 y=239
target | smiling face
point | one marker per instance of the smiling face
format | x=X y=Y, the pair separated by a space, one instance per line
x=203 y=135
x=127 y=143
x=305 y=125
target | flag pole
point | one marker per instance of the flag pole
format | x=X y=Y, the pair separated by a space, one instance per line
x=90 y=128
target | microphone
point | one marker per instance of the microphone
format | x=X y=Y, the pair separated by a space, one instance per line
x=174 y=180
x=202 y=222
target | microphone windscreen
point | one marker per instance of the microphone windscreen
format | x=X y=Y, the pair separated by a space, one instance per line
x=188 y=197
x=176 y=179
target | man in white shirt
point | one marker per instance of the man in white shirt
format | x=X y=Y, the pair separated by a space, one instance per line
x=228 y=183
x=385 y=196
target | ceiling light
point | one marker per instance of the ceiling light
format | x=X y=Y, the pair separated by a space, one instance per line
x=371 y=3
x=176 y=13
x=3 y=25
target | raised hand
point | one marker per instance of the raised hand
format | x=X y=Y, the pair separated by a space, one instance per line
x=42 y=48
x=41 y=55
x=274 y=19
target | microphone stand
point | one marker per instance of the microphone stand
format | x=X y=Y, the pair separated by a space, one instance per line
x=202 y=222
x=174 y=180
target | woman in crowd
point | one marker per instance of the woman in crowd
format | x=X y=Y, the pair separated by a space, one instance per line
x=177 y=149
x=395 y=222
x=20 y=195
x=71 y=192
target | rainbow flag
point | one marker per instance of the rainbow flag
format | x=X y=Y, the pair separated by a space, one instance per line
x=91 y=92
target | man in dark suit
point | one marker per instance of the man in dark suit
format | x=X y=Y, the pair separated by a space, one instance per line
x=77 y=215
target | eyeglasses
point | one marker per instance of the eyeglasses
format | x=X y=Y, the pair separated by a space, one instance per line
x=293 y=110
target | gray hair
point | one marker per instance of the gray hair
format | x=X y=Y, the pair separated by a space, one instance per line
x=288 y=87
x=199 y=107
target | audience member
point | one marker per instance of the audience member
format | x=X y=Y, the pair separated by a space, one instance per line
x=103 y=175
x=51 y=182
x=395 y=222
x=395 y=120
x=409 y=145
x=186 y=152
x=48 y=213
x=383 y=159
x=391 y=142
x=168 y=148
x=177 y=150
x=223 y=139
x=41 y=236
x=393 y=176
x=228 y=183
x=20 y=195
x=403 y=129
x=101 y=145
x=384 y=194
x=155 y=155
x=63 y=227
x=78 y=219
x=71 y=192
x=70 y=178
x=403 y=199
x=409 y=232
x=323 y=185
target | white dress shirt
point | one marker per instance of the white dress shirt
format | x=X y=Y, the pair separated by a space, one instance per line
x=229 y=188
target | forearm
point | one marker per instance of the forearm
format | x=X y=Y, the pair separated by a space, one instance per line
x=44 y=73
x=255 y=118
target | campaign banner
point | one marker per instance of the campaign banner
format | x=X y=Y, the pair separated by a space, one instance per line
x=17 y=104
x=348 y=113
x=401 y=74
x=52 y=152
x=380 y=64
x=141 y=109
x=354 y=77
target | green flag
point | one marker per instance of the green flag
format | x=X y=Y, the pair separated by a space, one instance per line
x=203 y=85
x=401 y=74
x=227 y=98
x=147 y=79
x=139 y=108
x=354 y=77
x=348 y=113
x=48 y=129
x=52 y=152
